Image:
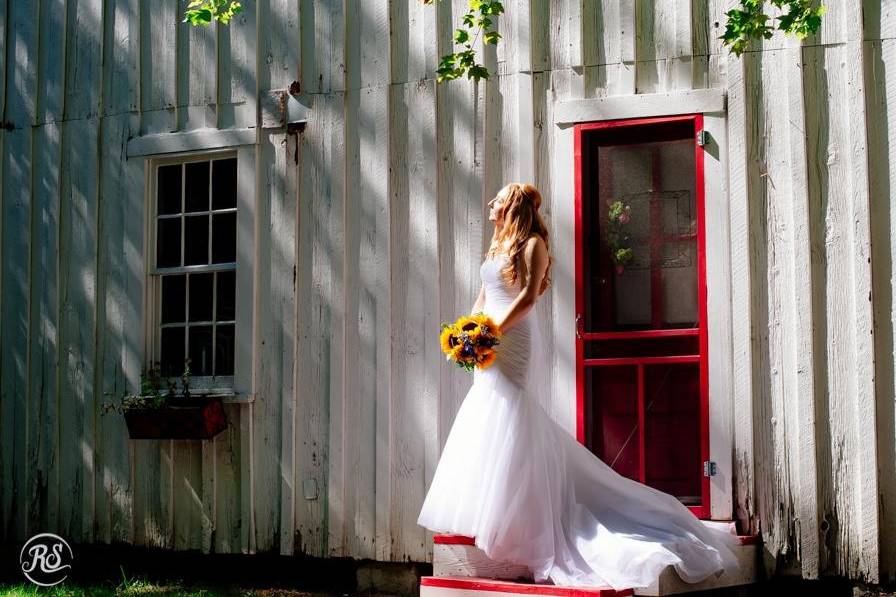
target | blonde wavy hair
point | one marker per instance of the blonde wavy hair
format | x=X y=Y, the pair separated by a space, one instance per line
x=522 y=221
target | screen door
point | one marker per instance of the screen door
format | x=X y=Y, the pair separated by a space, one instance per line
x=641 y=302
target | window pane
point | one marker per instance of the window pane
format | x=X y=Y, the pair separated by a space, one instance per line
x=224 y=238
x=224 y=350
x=200 y=349
x=226 y=296
x=174 y=298
x=196 y=240
x=172 y=352
x=168 y=242
x=168 y=189
x=201 y=296
x=196 y=187
x=224 y=183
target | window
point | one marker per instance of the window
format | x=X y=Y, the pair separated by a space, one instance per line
x=194 y=215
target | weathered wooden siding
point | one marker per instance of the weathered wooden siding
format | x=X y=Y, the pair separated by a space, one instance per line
x=370 y=226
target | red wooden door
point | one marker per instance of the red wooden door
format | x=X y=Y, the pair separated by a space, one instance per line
x=641 y=362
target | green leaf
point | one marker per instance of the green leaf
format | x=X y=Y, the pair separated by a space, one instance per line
x=492 y=37
x=477 y=72
x=461 y=36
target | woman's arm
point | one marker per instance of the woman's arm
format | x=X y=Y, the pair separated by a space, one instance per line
x=480 y=301
x=535 y=256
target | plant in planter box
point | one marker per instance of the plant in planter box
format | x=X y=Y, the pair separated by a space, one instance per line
x=152 y=414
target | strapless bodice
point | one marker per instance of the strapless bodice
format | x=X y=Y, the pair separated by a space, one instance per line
x=513 y=353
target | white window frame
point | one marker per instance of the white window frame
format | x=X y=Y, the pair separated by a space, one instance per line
x=242 y=387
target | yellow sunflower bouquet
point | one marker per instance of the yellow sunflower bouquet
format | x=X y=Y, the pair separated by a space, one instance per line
x=470 y=341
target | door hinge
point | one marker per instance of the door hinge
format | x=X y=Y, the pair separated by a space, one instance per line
x=709 y=468
x=702 y=137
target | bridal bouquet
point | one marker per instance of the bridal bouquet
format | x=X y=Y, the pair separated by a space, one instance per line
x=470 y=341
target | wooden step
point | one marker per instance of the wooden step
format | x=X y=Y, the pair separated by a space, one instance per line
x=669 y=583
x=466 y=586
x=457 y=557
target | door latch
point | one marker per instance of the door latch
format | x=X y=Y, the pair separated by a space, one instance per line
x=709 y=468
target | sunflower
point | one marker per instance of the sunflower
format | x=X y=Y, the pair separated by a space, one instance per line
x=448 y=338
x=486 y=324
x=486 y=358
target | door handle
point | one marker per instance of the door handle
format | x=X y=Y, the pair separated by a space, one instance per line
x=579 y=326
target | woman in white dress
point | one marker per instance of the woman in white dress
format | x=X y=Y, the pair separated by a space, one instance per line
x=523 y=487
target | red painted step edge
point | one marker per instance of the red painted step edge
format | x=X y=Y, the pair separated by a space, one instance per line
x=449 y=539
x=473 y=583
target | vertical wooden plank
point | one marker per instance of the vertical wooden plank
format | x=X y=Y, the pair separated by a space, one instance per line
x=14 y=284
x=273 y=411
x=562 y=314
x=360 y=510
x=79 y=242
x=227 y=480
x=776 y=419
x=158 y=66
x=740 y=72
x=650 y=48
x=43 y=489
x=801 y=375
x=236 y=70
x=118 y=351
x=702 y=27
x=882 y=179
x=315 y=321
x=863 y=357
x=427 y=187
x=596 y=41
x=208 y=510
x=4 y=69
x=542 y=178
x=413 y=262
x=337 y=479
x=249 y=225
x=287 y=212
x=626 y=81
x=375 y=299
x=540 y=34
x=717 y=66
x=405 y=313
x=525 y=149
x=77 y=286
x=276 y=327
x=196 y=75
x=186 y=515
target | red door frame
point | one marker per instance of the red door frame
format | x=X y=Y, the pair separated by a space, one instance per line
x=704 y=510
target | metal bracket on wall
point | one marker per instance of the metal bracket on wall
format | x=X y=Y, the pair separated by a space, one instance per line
x=280 y=108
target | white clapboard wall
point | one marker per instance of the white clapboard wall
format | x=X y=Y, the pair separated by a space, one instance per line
x=370 y=225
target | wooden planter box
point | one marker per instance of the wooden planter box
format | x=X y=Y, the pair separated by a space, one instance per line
x=196 y=417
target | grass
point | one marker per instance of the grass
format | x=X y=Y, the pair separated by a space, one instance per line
x=141 y=587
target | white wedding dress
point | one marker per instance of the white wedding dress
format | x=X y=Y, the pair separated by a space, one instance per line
x=531 y=494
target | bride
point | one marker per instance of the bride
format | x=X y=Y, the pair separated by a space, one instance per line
x=520 y=484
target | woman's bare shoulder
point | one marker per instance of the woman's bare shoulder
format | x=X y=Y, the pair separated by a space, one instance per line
x=535 y=243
